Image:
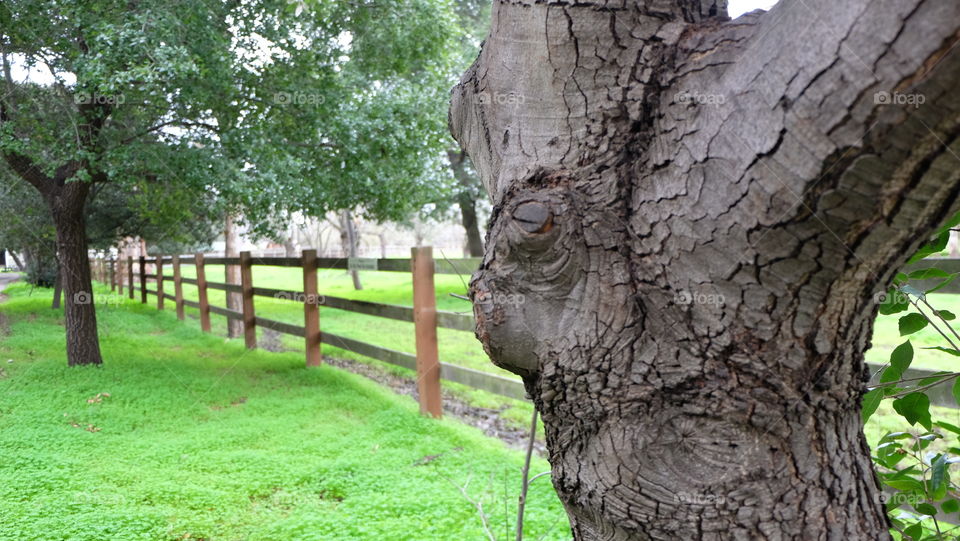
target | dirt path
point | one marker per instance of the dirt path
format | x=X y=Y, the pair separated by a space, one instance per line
x=487 y=420
x=6 y=279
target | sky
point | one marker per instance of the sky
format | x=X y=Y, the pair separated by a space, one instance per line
x=735 y=7
x=739 y=7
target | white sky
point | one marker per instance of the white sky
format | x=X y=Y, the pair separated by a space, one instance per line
x=42 y=76
x=739 y=7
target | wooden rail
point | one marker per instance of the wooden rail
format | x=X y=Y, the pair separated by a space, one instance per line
x=423 y=314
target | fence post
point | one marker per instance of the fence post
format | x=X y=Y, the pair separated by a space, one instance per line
x=119 y=278
x=202 y=293
x=246 y=287
x=177 y=287
x=425 y=323
x=311 y=307
x=130 y=276
x=143 y=279
x=159 y=282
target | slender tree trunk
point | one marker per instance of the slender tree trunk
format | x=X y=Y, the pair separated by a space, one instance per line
x=80 y=318
x=16 y=260
x=289 y=248
x=692 y=220
x=234 y=300
x=348 y=237
x=58 y=288
x=382 y=235
x=467 y=201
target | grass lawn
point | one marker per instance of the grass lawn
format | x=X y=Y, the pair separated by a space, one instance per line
x=886 y=336
x=456 y=347
x=183 y=435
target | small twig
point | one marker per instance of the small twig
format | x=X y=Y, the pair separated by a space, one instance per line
x=945 y=322
x=484 y=519
x=462 y=297
x=932 y=324
x=526 y=476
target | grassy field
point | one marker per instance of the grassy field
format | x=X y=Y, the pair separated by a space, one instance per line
x=886 y=337
x=183 y=435
x=459 y=347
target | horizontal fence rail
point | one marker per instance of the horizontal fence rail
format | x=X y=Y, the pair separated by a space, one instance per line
x=120 y=273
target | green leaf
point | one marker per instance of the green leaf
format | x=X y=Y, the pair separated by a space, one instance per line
x=926 y=509
x=947 y=315
x=914 y=532
x=939 y=476
x=900 y=360
x=915 y=408
x=912 y=323
x=950 y=506
x=951 y=351
x=871 y=401
x=942 y=284
x=906 y=484
x=893 y=302
x=938 y=244
x=956 y=391
x=950 y=224
x=947 y=426
x=926 y=274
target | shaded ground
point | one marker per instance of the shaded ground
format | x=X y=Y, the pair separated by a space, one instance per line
x=486 y=419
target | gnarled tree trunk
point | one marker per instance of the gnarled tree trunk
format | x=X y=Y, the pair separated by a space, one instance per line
x=692 y=217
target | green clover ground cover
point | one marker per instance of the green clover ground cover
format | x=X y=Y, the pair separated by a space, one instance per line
x=182 y=435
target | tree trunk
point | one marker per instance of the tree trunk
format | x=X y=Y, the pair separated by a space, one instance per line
x=289 y=248
x=16 y=261
x=349 y=240
x=382 y=235
x=234 y=300
x=80 y=318
x=57 y=288
x=467 y=201
x=692 y=219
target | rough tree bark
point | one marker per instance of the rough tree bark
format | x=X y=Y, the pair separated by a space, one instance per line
x=698 y=214
x=466 y=200
x=232 y=276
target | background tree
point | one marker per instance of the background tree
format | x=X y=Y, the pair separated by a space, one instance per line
x=699 y=215
x=270 y=109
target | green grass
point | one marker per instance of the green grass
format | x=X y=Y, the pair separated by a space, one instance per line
x=886 y=336
x=202 y=439
x=456 y=347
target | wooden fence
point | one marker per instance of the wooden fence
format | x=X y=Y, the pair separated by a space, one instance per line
x=424 y=314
